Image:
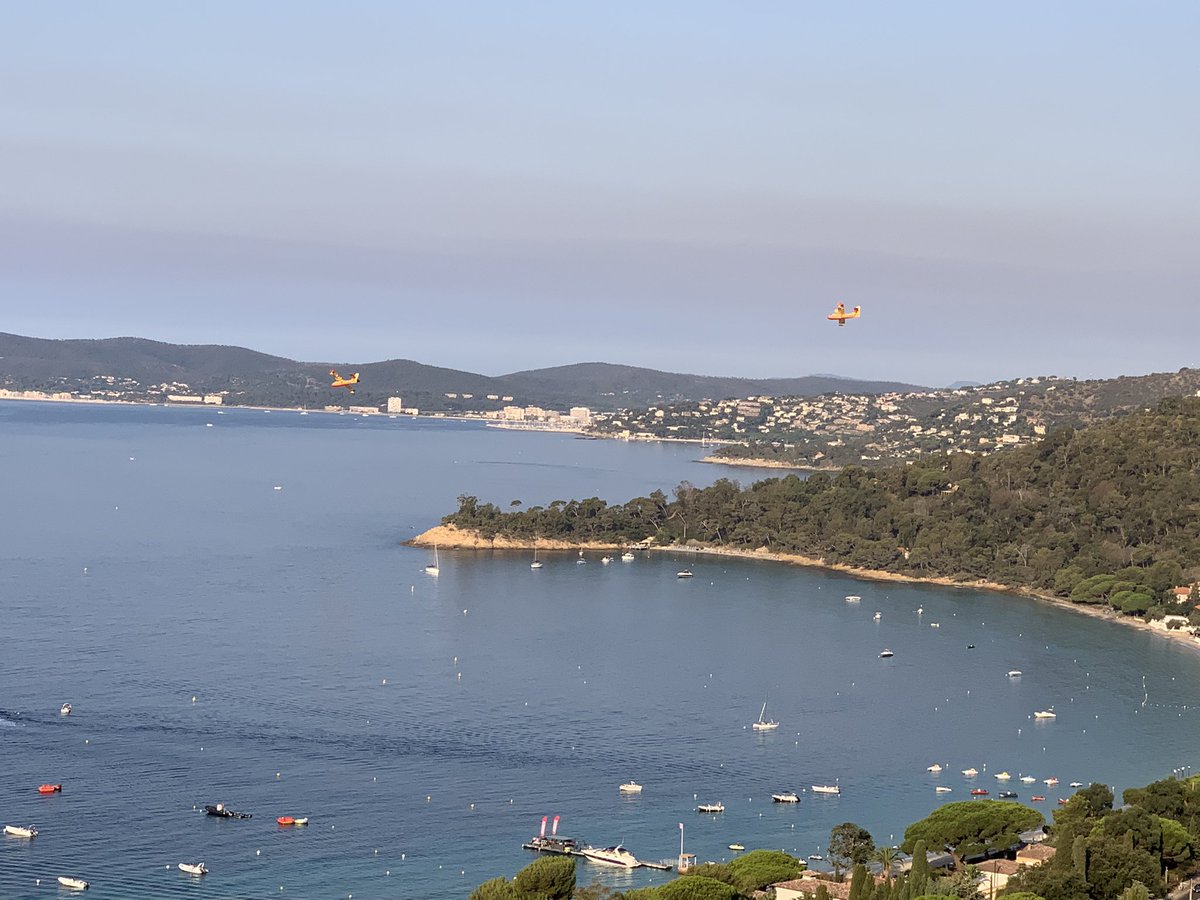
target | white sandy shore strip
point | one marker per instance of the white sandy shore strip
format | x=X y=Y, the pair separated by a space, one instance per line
x=450 y=537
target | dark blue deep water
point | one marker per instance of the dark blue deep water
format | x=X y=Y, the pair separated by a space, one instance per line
x=510 y=694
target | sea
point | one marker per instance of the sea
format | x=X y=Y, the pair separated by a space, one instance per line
x=224 y=598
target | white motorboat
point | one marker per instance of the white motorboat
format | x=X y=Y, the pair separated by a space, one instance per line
x=684 y=573
x=631 y=787
x=436 y=568
x=852 y=598
x=606 y=559
x=1051 y=781
x=75 y=884
x=611 y=856
x=935 y=624
x=942 y=789
x=936 y=767
x=1046 y=714
x=65 y=709
x=628 y=556
x=971 y=772
x=579 y=560
x=886 y=654
x=786 y=797
x=878 y=616
x=711 y=808
x=826 y=789
x=193 y=868
x=1028 y=779
x=1076 y=784
x=1002 y=776
x=763 y=723
x=18 y=831
x=1015 y=673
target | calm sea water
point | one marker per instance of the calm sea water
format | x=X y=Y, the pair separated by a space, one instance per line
x=426 y=725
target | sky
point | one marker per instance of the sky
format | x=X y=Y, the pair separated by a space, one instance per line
x=1006 y=189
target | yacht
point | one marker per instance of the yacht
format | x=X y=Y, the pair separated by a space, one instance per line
x=1028 y=779
x=886 y=654
x=193 y=868
x=611 y=856
x=852 y=598
x=1076 y=784
x=554 y=843
x=1051 y=781
x=786 y=797
x=737 y=848
x=536 y=564
x=942 y=789
x=579 y=560
x=684 y=573
x=434 y=569
x=1046 y=714
x=1015 y=673
x=628 y=556
x=764 y=724
x=1002 y=776
x=935 y=768
x=606 y=559
x=711 y=808
x=971 y=772
x=826 y=789
x=631 y=787
x=65 y=709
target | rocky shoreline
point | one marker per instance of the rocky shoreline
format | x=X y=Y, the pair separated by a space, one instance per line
x=451 y=537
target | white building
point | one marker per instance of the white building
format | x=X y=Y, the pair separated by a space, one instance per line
x=394 y=405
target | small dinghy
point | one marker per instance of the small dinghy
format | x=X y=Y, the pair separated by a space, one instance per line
x=193 y=868
x=49 y=788
x=18 y=831
x=222 y=813
x=75 y=884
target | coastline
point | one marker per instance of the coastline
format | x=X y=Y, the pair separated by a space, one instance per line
x=451 y=537
x=752 y=463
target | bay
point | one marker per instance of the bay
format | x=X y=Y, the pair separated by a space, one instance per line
x=510 y=693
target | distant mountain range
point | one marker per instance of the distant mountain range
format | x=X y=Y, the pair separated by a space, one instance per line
x=249 y=377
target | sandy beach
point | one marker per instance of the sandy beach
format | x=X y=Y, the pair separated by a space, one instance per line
x=450 y=537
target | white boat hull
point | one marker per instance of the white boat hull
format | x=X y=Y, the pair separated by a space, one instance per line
x=18 y=831
x=75 y=884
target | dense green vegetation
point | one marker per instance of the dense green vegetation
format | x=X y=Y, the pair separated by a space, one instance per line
x=1104 y=515
x=1130 y=853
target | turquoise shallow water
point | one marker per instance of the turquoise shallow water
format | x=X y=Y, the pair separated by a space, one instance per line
x=510 y=694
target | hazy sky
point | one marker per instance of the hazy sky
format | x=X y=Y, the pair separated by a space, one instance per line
x=1007 y=189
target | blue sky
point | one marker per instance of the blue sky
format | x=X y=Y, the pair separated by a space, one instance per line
x=1006 y=189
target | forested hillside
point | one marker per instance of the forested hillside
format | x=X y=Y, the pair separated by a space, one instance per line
x=1103 y=515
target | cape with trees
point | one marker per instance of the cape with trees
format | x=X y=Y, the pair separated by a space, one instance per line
x=1102 y=516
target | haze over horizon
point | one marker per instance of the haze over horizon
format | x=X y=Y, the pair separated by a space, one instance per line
x=689 y=187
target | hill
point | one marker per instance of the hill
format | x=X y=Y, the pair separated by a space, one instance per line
x=132 y=368
x=1104 y=515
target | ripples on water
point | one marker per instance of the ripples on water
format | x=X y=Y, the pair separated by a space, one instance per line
x=283 y=613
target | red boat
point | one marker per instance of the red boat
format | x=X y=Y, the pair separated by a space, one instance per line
x=1062 y=801
x=979 y=792
x=1037 y=797
x=50 y=789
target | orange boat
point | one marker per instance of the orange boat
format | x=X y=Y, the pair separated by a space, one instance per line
x=50 y=789
x=286 y=820
x=1037 y=798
